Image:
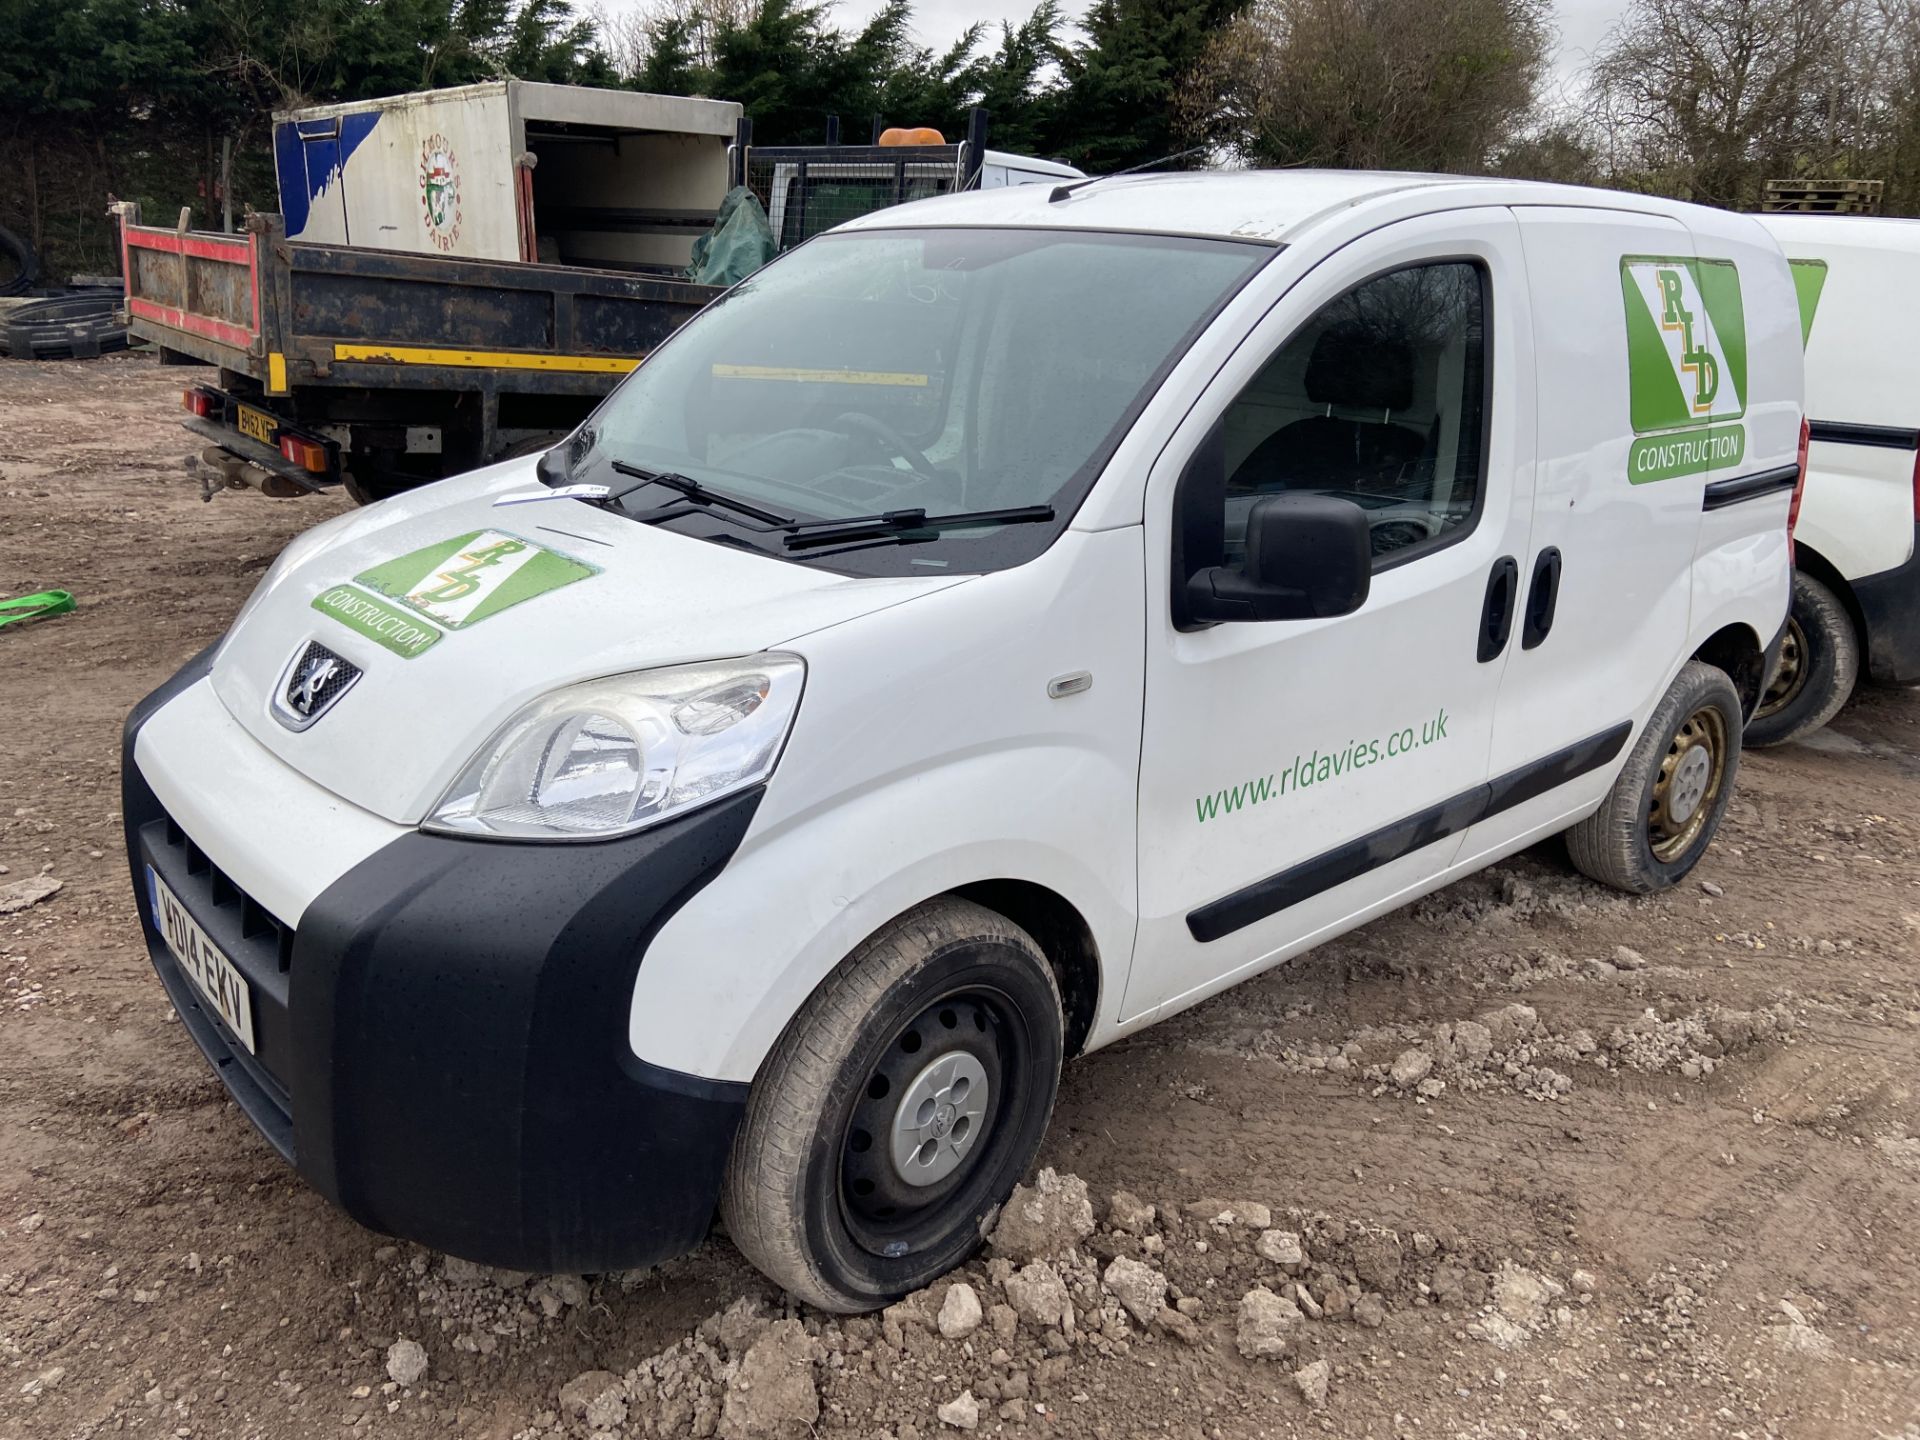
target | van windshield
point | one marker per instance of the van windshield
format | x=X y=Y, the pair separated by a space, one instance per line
x=938 y=370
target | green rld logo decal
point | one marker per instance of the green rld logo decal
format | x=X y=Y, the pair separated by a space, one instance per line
x=1686 y=366
x=1809 y=279
x=455 y=583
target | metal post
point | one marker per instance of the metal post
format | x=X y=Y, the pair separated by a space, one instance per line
x=879 y=124
x=833 y=129
x=226 y=183
x=737 y=156
x=976 y=152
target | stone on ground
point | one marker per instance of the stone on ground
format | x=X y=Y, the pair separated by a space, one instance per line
x=1140 y=1288
x=1037 y=1293
x=1128 y=1213
x=1282 y=1248
x=962 y=1412
x=1266 y=1321
x=773 y=1392
x=1048 y=1219
x=22 y=893
x=1312 y=1382
x=596 y=1399
x=960 y=1312
x=1510 y=1024
x=406 y=1362
x=1411 y=1068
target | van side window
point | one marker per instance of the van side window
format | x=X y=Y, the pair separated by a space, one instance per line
x=1379 y=399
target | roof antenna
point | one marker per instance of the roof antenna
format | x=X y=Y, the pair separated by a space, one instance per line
x=1061 y=192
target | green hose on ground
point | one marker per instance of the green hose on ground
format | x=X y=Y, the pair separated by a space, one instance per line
x=32 y=607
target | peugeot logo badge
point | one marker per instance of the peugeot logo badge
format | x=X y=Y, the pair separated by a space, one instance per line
x=314 y=681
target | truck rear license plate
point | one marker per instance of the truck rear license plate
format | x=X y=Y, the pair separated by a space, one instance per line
x=255 y=424
x=213 y=975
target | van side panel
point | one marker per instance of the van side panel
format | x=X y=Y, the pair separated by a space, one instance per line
x=870 y=813
x=1621 y=617
x=1858 y=510
x=1862 y=370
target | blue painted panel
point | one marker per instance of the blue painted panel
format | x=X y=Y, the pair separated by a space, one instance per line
x=310 y=155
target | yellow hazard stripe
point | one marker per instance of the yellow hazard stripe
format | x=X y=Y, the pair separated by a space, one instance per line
x=486 y=359
x=824 y=377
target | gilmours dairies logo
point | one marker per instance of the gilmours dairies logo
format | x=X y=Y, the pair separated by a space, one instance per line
x=1686 y=365
x=439 y=191
x=407 y=604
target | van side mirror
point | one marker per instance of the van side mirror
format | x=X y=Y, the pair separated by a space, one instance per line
x=1308 y=557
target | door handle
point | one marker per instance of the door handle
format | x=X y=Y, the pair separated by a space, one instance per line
x=1496 y=616
x=1542 y=595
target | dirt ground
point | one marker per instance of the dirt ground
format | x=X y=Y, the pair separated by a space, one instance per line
x=1665 y=1181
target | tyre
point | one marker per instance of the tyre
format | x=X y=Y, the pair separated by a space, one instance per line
x=67 y=326
x=1667 y=802
x=19 y=265
x=899 y=1109
x=1819 y=662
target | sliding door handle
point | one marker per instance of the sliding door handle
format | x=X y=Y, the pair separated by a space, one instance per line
x=1542 y=596
x=1496 y=616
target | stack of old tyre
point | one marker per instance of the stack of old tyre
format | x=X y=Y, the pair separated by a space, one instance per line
x=79 y=325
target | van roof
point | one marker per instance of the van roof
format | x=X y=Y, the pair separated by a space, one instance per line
x=1863 y=232
x=1268 y=205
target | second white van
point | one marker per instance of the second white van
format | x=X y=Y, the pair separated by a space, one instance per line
x=1856 y=587
x=996 y=626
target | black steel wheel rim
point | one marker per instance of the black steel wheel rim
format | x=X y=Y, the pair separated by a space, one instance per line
x=883 y=1212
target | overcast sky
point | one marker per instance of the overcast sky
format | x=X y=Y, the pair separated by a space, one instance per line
x=1583 y=23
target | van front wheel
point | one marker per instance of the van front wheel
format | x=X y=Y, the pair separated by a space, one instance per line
x=1668 y=800
x=1819 y=662
x=899 y=1109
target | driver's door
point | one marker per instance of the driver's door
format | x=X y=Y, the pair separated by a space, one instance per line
x=1297 y=776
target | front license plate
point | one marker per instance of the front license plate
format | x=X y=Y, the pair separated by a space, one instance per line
x=255 y=424
x=213 y=975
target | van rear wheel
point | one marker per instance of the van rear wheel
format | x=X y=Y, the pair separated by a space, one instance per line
x=899 y=1109
x=1819 y=662
x=1669 y=798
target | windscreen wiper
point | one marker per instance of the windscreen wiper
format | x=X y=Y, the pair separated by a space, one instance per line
x=907 y=522
x=692 y=490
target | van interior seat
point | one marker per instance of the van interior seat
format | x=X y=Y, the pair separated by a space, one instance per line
x=1350 y=369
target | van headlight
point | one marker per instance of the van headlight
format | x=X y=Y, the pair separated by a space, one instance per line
x=608 y=757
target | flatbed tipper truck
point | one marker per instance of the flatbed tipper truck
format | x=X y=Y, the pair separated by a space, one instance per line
x=360 y=353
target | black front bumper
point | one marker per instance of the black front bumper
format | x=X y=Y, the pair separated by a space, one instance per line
x=442 y=1042
x=1890 y=605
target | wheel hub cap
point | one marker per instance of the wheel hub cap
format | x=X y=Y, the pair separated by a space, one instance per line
x=1687 y=784
x=1690 y=778
x=938 y=1118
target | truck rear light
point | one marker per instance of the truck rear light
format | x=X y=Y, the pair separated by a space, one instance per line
x=309 y=455
x=203 y=403
x=1800 y=485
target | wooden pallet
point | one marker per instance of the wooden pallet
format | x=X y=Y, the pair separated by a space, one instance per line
x=1823 y=197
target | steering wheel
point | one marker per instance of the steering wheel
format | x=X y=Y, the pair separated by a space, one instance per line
x=898 y=444
x=1386 y=536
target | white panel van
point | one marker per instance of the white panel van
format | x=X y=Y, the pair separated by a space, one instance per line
x=1003 y=623
x=1856 y=587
